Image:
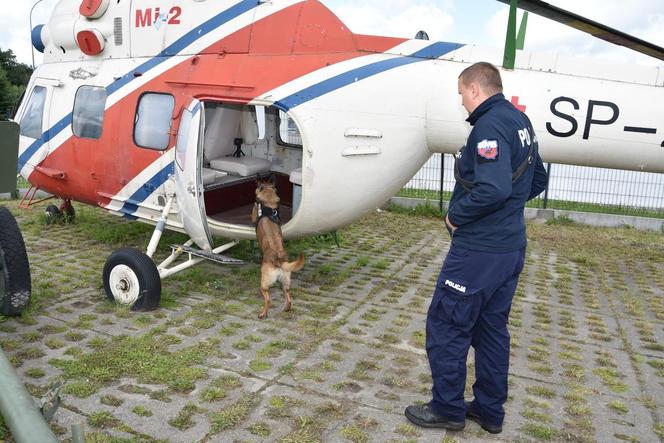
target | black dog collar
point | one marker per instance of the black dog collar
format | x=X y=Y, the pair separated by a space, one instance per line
x=266 y=211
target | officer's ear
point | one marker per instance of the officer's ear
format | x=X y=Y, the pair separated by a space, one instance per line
x=474 y=89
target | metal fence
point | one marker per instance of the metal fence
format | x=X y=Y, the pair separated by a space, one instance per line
x=574 y=188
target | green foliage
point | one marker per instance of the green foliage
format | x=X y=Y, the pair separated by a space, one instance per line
x=425 y=210
x=232 y=415
x=561 y=220
x=14 y=77
x=540 y=432
x=17 y=73
x=142 y=411
x=145 y=358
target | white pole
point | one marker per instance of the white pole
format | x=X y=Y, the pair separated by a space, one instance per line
x=32 y=47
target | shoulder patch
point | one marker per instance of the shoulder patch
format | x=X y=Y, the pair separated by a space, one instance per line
x=488 y=149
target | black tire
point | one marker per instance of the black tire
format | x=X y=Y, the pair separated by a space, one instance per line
x=135 y=280
x=69 y=213
x=53 y=214
x=15 y=283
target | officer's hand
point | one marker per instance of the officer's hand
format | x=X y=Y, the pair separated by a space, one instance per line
x=450 y=227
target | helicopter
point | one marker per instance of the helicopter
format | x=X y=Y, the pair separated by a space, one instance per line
x=165 y=113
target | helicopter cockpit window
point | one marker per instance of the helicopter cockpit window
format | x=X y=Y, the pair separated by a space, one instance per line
x=288 y=134
x=88 y=115
x=31 y=123
x=152 y=123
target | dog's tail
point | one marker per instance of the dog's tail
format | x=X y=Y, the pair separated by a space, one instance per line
x=294 y=265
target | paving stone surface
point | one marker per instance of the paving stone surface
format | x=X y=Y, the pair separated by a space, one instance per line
x=587 y=329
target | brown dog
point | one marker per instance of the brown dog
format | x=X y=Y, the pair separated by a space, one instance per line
x=275 y=266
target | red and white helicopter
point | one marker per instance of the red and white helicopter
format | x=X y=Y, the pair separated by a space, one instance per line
x=166 y=111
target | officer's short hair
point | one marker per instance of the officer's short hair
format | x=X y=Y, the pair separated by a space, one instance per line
x=486 y=75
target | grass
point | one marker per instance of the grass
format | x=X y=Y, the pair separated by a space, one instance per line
x=432 y=199
x=231 y=416
x=102 y=420
x=619 y=407
x=260 y=429
x=354 y=433
x=35 y=372
x=141 y=411
x=111 y=400
x=659 y=430
x=80 y=388
x=541 y=432
x=183 y=420
x=144 y=357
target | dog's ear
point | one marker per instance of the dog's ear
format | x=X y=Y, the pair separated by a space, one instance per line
x=273 y=179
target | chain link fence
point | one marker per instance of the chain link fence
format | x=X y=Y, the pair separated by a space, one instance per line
x=574 y=188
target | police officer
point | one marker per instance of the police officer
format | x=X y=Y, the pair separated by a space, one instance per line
x=497 y=171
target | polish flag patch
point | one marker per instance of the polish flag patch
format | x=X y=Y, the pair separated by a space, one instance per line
x=488 y=149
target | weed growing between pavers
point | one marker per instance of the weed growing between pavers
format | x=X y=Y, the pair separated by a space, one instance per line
x=146 y=358
x=141 y=411
x=232 y=415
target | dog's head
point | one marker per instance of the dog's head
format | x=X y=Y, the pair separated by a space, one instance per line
x=266 y=190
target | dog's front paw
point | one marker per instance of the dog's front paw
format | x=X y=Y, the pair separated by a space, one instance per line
x=287 y=308
x=262 y=315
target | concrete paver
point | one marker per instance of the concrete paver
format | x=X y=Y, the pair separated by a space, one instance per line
x=587 y=325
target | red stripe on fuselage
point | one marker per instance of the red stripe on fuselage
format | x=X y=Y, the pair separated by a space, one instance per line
x=269 y=53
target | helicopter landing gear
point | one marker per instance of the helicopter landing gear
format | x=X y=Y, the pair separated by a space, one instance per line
x=15 y=283
x=68 y=211
x=131 y=279
x=52 y=214
x=65 y=213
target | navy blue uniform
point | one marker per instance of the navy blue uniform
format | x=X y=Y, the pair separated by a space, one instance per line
x=490 y=217
x=474 y=291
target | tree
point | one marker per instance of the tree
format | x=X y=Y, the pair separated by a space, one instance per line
x=6 y=94
x=14 y=77
x=17 y=73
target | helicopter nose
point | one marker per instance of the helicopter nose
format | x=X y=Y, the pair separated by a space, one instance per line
x=37 y=40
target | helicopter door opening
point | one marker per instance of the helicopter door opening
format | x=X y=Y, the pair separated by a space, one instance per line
x=188 y=180
x=240 y=143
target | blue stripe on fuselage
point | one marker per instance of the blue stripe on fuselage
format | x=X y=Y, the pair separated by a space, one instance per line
x=175 y=48
x=132 y=203
x=433 y=51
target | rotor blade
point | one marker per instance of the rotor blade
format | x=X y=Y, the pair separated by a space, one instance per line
x=588 y=26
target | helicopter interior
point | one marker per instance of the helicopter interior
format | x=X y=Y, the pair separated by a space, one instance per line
x=240 y=143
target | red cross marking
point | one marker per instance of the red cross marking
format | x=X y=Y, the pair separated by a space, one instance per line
x=515 y=102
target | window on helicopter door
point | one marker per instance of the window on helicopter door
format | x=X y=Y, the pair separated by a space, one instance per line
x=33 y=118
x=152 y=123
x=88 y=114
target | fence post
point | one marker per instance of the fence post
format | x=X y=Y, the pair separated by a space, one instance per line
x=546 y=190
x=442 y=180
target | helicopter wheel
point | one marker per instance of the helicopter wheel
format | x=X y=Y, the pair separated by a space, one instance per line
x=53 y=214
x=68 y=211
x=131 y=279
x=15 y=283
